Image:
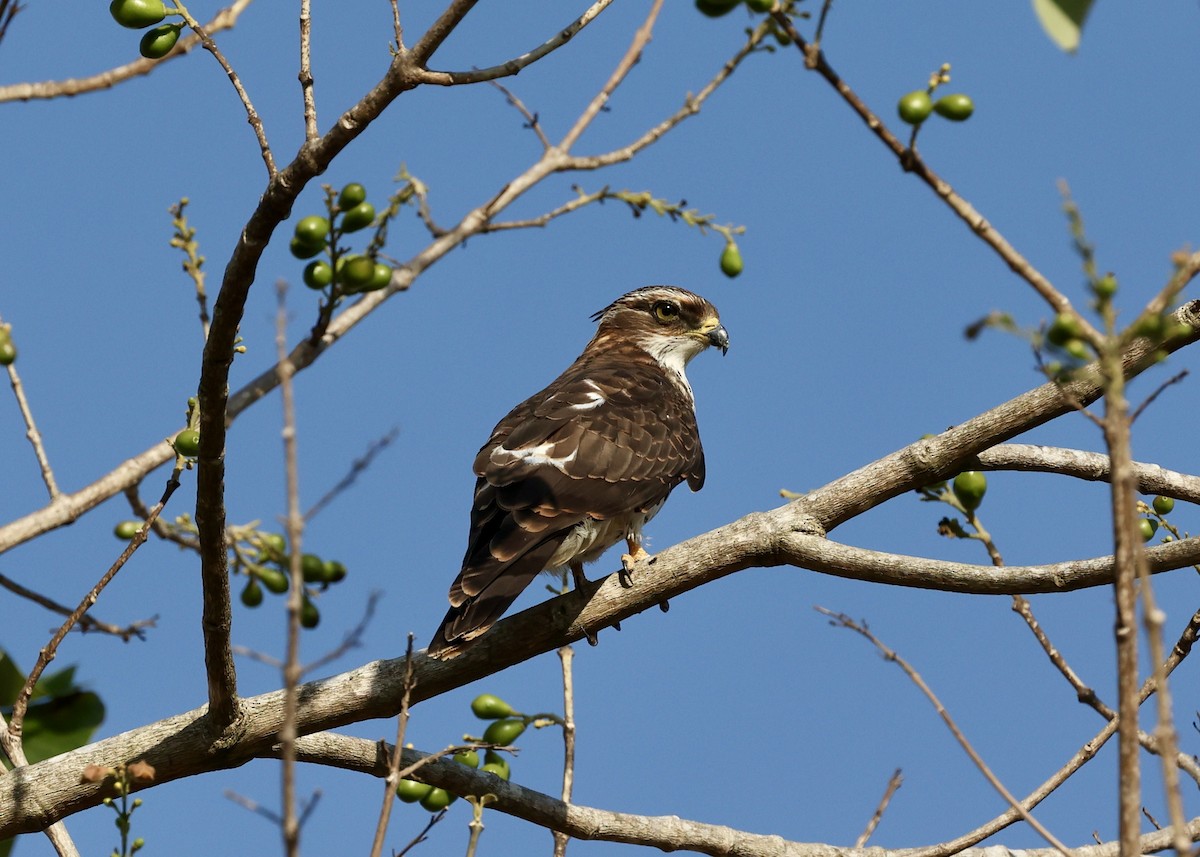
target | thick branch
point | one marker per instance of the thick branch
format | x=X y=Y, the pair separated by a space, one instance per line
x=181 y=746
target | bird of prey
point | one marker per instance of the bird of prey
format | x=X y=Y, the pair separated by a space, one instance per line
x=589 y=460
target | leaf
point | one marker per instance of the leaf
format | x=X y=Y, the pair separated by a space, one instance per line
x=56 y=684
x=1063 y=20
x=11 y=681
x=61 y=724
x=6 y=846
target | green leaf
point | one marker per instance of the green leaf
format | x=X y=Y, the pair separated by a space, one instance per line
x=62 y=724
x=1063 y=20
x=11 y=681
x=56 y=684
x=6 y=846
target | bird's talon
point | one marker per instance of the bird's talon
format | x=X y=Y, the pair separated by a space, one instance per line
x=591 y=637
x=664 y=605
x=616 y=626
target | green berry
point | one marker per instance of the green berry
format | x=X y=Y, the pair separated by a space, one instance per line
x=956 y=108
x=310 y=617
x=312 y=230
x=1105 y=287
x=273 y=579
x=187 y=442
x=437 y=799
x=760 y=5
x=359 y=217
x=496 y=764
x=274 y=546
x=467 y=757
x=731 y=260
x=410 y=791
x=488 y=707
x=334 y=571
x=356 y=273
x=1064 y=328
x=504 y=731
x=318 y=274
x=157 y=43
x=302 y=250
x=8 y=351
x=252 y=595
x=1164 y=505
x=312 y=567
x=915 y=107
x=136 y=14
x=716 y=8
x=969 y=487
x=126 y=530
x=1147 y=526
x=1078 y=349
x=352 y=194
x=499 y=770
x=381 y=280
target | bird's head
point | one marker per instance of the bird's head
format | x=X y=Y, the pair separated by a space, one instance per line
x=670 y=323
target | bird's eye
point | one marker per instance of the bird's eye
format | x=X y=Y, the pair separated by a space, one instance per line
x=666 y=310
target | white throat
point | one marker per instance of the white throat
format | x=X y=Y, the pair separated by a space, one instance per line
x=673 y=354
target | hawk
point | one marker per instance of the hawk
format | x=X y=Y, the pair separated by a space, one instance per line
x=589 y=460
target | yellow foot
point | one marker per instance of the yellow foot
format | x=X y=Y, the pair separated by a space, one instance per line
x=636 y=554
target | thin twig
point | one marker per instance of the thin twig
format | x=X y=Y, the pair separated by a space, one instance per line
x=1174 y=379
x=912 y=162
x=505 y=69
x=357 y=468
x=306 y=79
x=295 y=599
x=566 y=654
x=894 y=783
x=1165 y=735
x=531 y=119
x=223 y=20
x=32 y=433
x=50 y=650
x=252 y=116
x=640 y=39
x=393 y=776
x=842 y=620
x=352 y=639
x=86 y=623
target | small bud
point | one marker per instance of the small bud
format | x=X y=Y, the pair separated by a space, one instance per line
x=140 y=771
x=95 y=774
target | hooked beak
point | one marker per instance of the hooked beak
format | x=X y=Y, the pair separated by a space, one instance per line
x=719 y=337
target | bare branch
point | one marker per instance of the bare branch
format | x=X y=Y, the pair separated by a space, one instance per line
x=640 y=39
x=223 y=20
x=357 y=468
x=50 y=650
x=86 y=623
x=844 y=621
x=516 y=64
x=32 y=433
x=913 y=163
x=894 y=783
x=296 y=595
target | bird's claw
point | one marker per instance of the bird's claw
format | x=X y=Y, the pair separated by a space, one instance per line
x=628 y=561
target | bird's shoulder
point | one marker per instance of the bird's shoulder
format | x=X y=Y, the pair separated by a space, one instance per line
x=611 y=416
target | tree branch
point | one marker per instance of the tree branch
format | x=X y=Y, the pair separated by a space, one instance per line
x=223 y=20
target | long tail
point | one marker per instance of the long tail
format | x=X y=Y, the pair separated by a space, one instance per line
x=475 y=614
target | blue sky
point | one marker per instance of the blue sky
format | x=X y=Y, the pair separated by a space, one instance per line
x=741 y=706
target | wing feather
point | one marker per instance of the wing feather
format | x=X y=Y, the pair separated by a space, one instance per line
x=613 y=435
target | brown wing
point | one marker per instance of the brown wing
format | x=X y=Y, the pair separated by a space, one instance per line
x=610 y=436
